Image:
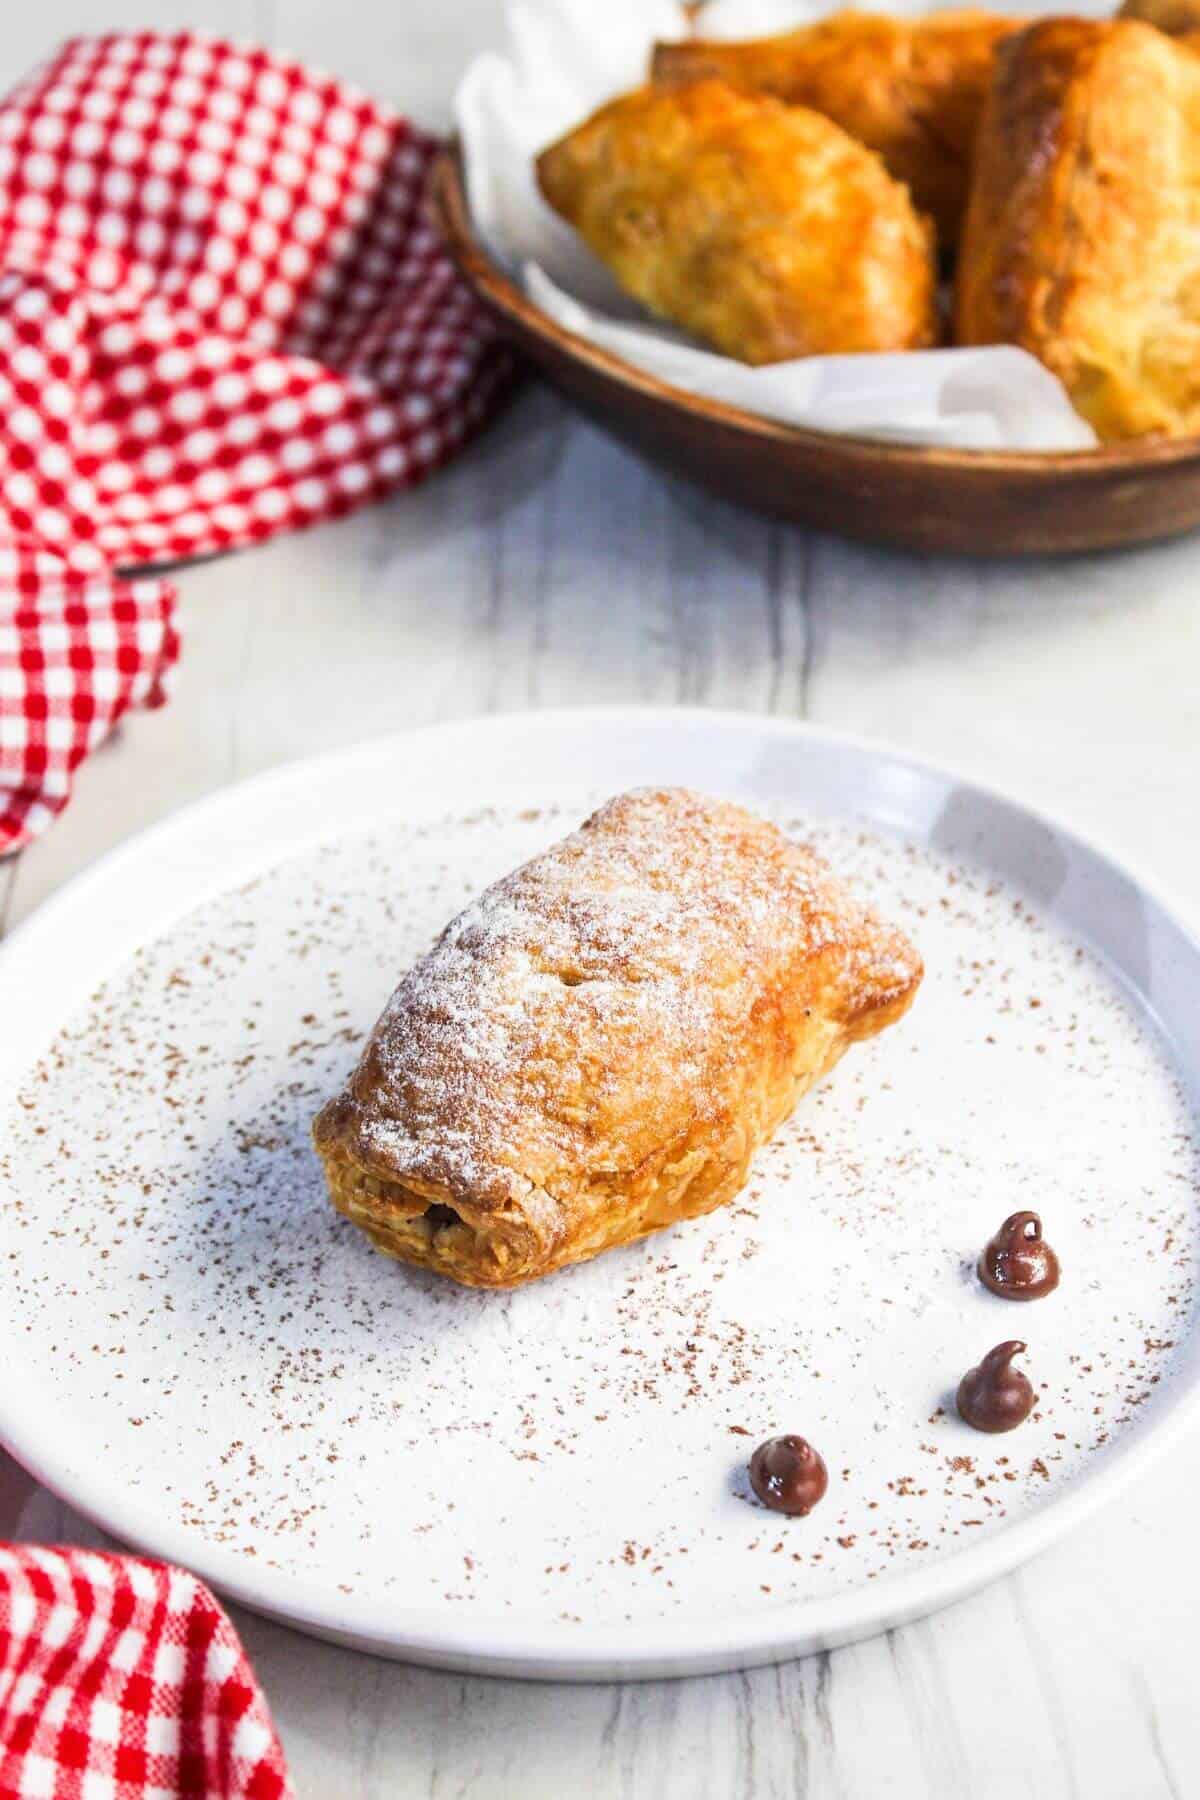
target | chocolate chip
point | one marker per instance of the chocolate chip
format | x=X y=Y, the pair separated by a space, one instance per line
x=1018 y=1264
x=995 y=1396
x=788 y=1475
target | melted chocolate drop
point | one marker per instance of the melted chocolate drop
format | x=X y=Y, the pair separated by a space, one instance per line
x=788 y=1475
x=995 y=1396
x=1018 y=1264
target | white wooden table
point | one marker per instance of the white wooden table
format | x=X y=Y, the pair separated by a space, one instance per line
x=549 y=567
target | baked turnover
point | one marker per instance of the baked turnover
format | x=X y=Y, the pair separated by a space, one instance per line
x=1178 y=18
x=1082 y=241
x=911 y=89
x=761 y=228
x=596 y=1047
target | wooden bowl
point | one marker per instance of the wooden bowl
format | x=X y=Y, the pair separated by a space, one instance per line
x=970 y=502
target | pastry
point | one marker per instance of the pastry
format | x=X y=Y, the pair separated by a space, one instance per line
x=597 y=1046
x=911 y=89
x=1178 y=18
x=1082 y=239
x=761 y=228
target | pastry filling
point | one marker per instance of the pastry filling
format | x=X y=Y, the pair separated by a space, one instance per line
x=439 y=1217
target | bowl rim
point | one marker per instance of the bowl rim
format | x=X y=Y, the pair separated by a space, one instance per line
x=495 y=286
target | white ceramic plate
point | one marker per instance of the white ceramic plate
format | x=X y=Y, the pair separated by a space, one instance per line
x=218 y=1370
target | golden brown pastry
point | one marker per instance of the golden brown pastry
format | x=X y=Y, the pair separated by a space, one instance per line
x=911 y=89
x=761 y=228
x=1178 y=18
x=1082 y=240
x=597 y=1046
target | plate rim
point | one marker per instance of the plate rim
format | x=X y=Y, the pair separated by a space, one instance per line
x=553 y=1650
x=493 y=282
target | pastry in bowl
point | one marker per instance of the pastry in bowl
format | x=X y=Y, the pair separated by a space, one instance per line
x=1178 y=18
x=763 y=229
x=1082 y=239
x=911 y=89
x=598 y=1045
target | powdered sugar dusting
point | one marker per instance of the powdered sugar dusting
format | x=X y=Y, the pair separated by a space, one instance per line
x=589 y=1002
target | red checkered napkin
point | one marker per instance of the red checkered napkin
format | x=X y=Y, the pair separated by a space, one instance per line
x=123 y=1680
x=223 y=313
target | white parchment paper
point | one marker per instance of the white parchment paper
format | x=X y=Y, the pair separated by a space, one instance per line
x=566 y=57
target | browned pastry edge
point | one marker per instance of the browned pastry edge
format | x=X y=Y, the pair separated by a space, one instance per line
x=438 y=1229
x=1177 y=18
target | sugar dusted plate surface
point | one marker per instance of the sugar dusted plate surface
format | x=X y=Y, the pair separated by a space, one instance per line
x=552 y=1481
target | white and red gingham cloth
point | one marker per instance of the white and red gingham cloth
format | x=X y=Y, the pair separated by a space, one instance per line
x=223 y=313
x=122 y=1679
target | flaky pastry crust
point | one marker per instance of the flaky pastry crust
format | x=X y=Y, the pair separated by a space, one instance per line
x=597 y=1046
x=761 y=228
x=1178 y=18
x=911 y=89
x=1082 y=241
